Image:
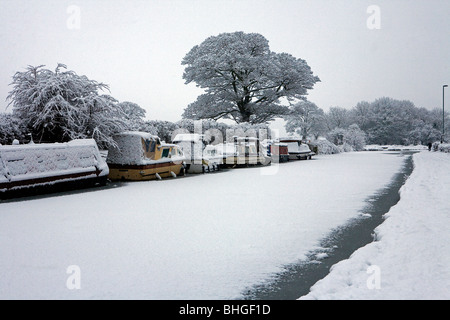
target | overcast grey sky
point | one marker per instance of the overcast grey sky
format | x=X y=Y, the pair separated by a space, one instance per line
x=136 y=46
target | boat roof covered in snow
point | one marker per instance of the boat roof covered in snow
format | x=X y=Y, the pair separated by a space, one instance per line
x=194 y=137
x=136 y=148
x=33 y=165
x=133 y=148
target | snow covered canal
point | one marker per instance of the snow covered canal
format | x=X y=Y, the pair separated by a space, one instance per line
x=206 y=236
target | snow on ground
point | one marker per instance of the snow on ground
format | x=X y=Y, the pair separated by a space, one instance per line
x=410 y=258
x=197 y=237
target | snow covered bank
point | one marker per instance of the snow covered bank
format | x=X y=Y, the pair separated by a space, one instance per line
x=197 y=237
x=410 y=258
x=377 y=147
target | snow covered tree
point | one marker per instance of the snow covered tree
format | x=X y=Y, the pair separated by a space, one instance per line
x=355 y=137
x=423 y=133
x=213 y=131
x=361 y=115
x=12 y=128
x=337 y=117
x=391 y=121
x=163 y=129
x=305 y=118
x=134 y=114
x=246 y=129
x=387 y=121
x=243 y=79
x=61 y=105
x=336 y=136
x=101 y=117
x=351 y=138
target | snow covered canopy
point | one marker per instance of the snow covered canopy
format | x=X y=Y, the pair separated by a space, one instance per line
x=22 y=165
x=133 y=148
x=296 y=146
x=194 y=137
x=191 y=143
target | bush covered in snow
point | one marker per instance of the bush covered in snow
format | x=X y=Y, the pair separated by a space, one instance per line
x=325 y=147
x=12 y=128
x=354 y=137
x=349 y=139
x=442 y=147
x=346 y=147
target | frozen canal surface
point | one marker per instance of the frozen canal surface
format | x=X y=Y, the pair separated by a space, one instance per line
x=209 y=236
x=338 y=245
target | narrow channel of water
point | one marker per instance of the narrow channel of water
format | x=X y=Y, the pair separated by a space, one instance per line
x=297 y=279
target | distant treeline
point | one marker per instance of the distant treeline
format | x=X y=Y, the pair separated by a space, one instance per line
x=389 y=121
x=60 y=105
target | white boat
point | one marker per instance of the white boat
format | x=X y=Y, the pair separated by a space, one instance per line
x=222 y=153
x=244 y=151
x=297 y=150
x=193 y=146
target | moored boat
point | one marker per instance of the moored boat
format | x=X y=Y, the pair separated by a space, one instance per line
x=244 y=151
x=142 y=156
x=50 y=167
x=297 y=150
x=193 y=147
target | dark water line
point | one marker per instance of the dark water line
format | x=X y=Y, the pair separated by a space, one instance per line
x=297 y=279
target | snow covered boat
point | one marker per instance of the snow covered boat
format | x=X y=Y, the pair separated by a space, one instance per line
x=142 y=156
x=214 y=154
x=279 y=152
x=244 y=151
x=297 y=149
x=197 y=160
x=222 y=152
x=44 y=167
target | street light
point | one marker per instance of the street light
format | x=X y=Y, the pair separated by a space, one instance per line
x=443 y=115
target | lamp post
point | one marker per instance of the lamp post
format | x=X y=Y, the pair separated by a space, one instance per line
x=443 y=115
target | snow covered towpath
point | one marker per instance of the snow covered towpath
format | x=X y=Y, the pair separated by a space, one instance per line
x=410 y=258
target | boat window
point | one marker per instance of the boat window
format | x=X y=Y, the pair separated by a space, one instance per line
x=152 y=146
x=165 y=153
x=147 y=143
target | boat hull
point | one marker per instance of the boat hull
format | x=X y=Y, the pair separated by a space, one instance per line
x=233 y=161
x=300 y=156
x=145 y=172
